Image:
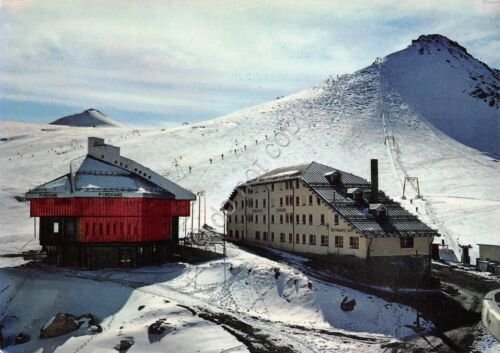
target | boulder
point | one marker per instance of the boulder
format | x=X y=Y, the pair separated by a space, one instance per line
x=124 y=345
x=59 y=325
x=21 y=338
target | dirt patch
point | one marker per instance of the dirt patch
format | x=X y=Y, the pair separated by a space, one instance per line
x=255 y=342
x=465 y=279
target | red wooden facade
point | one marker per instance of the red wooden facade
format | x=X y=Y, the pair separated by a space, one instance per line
x=108 y=207
x=115 y=220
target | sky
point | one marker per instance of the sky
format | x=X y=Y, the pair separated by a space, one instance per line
x=166 y=62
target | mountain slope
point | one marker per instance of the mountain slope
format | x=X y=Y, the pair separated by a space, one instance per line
x=451 y=89
x=88 y=118
x=342 y=123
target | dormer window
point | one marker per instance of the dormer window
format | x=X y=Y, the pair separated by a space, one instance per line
x=382 y=212
x=355 y=193
x=378 y=210
x=333 y=177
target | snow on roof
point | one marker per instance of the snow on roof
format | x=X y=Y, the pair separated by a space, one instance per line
x=314 y=175
x=95 y=173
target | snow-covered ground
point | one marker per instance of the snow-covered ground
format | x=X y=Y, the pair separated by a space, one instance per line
x=244 y=286
x=343 y=123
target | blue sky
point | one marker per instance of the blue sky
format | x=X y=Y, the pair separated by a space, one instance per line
x=163 y=62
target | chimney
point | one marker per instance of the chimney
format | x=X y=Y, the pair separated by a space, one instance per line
x=374 y=181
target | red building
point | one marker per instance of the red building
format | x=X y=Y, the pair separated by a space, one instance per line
x=108 y=211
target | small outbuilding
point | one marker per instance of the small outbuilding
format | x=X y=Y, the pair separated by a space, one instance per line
x=489 y=258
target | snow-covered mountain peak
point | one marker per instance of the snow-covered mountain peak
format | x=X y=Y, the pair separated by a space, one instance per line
x=88 y=118
x=449 y=88
x=438 y=41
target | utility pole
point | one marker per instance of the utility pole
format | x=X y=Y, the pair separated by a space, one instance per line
x=199 y=211
x=204 y=208
x=193 y=203
x=417 y=322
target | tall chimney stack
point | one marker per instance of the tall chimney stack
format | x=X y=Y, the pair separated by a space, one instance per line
x=374 y=181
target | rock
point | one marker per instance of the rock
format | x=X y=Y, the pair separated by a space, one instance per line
x=59 y=325
x=21 y=338
x=88 y=318
x=141 y=307
x=158 y=327
x=125 y=344
x=95 y=328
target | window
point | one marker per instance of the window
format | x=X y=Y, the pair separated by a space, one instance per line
x=286 y=200
x=235 y=204
x=229 y=219
x=406 y=242
x=272 y=219
x=336 y=219
x=312 y=239
x=303 y=239
x=237 y=235
x=310 y=200
x=230 y=233
x=264 y=203
x=324 y=240
x=272 y=187
x=322 y=219
x=339 y=241
x=303 y=219
x=256 y=203
x=282 y=237
x=256 y=219
x=264 y=220
x=354 y=242
x=55 y=228
x=297 y=238
x=297 y=201
x=286 y=185
x=318 y=201
x=257 y=235
x=265 y=237
x=281 y=219
x=286 y=218
x=272 y=202
x=297 y=184
x=242 y=233
x=290 y=238
x=310 y=219
x=272 y=236
x=281 y=202
x=297 y=219
x=235 y=218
